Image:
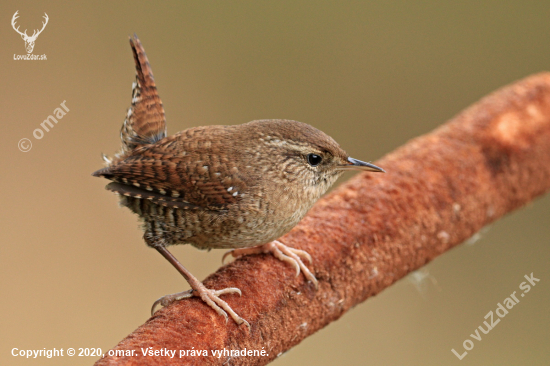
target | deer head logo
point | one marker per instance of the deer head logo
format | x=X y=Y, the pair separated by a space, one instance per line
x=29 y=41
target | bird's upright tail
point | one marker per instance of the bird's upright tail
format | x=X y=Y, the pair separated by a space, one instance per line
x=145 y=122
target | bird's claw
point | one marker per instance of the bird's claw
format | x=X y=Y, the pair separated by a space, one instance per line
x=282 y=252
x=210 y=297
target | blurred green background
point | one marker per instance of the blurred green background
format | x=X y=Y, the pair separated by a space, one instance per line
x=74 y=269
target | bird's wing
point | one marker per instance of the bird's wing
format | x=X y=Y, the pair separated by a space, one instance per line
x=145 y=122
x=164 y=173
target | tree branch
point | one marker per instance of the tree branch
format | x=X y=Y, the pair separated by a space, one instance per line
x=440 y=189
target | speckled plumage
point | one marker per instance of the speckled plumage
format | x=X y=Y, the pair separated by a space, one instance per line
x=224 y=186
x=219 y=186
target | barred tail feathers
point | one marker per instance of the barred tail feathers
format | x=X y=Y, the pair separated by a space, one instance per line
x=145 y=121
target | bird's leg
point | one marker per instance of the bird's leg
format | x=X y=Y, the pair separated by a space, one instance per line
x=211 y=297
x=282 y=252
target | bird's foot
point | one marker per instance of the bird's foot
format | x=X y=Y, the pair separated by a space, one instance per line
x=211 y=297
x=282 y=252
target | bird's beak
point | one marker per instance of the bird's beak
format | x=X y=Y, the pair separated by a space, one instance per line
x=354 y=164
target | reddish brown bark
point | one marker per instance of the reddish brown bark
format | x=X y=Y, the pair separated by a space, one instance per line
x=440 y=189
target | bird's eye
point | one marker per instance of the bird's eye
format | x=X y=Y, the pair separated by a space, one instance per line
x=314 y=159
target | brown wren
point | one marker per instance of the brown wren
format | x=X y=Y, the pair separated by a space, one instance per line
x=239 y=187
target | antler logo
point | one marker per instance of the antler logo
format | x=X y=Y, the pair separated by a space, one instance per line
x=29 y=41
